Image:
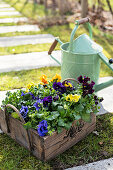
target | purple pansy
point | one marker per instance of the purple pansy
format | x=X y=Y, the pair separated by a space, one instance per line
x=22 y=94
x=59 y=87
x=68 y=83
x=97 y=100
x=83 y=79
x=24 y=111
x=42 y=128
x=47 y=100
x=87 y=87
x=37 y=104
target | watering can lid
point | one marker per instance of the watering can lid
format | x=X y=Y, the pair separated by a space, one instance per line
x=85 y=45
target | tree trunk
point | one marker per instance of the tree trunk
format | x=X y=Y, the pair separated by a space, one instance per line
x=64 y=6
x=109 y=5
x=84 y=5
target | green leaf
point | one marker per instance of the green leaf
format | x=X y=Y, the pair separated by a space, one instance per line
x=27 y=125
x=40 y=115
x=86 y=117
x=53 y=116
x=60 y=108
x=68 y=125
x=15 y=115
x=54 y=104
x=77 y=117
x=61 y=122
x=59 y=129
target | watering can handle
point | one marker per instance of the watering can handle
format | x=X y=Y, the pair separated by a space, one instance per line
x=83 y=20
x=78 y=22
x=53 y=47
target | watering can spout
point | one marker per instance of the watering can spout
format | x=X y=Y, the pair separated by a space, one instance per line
x=53 y=47
x=103 y=85
x=110 y=65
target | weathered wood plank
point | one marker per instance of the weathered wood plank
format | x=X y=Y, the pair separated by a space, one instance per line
x=3 y=124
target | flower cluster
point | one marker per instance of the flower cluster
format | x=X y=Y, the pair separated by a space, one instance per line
x=53 y=105
x=87 y=87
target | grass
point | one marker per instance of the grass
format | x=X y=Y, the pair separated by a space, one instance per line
x=28 y=8
x=12 y=16
x=14 y=80
x=12 y=24
x=90 y=149
x=25 y=49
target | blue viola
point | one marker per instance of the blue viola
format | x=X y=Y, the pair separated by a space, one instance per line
x=42 y=128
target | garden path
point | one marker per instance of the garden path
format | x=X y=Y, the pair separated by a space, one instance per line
x=26 y=39
x=27 y=61
x=106 y=164
x=13 y=20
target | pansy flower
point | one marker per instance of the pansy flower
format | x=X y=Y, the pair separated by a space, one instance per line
x=43 y=79
x=24 y=111
x=59 y=87
x=42 y=128
x=47 y=100
x=56 y=78
x=68 y=85
x=73 y=98
x=30 y=85
x=37 y=104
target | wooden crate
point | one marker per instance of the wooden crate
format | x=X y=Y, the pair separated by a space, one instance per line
x=48 y=147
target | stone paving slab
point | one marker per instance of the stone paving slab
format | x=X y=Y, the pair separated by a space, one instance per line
x=107 y=94
x=10 y=13
x=26 y=39
x=7 y=9
x=4 y=5
x=106 y=164
x=19 y=28
x=27 y=61
x=13 y=20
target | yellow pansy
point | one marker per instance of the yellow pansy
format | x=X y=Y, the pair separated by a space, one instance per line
x=43 y=79
x=30 y=85
x=57 y=77
x=73 y=98
x=68 y=84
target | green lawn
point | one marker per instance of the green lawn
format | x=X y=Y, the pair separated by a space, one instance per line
x=28 y=8
x=92 y=148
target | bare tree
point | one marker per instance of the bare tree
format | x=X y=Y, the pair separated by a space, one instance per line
x=109 y=5
x=64 y=6
x=84 y=5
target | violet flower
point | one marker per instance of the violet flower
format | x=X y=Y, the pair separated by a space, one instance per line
x=37 y=104
x=47 y=100
x=24 y=111
x=42 y=128
x=22 y=94
x=87 y=87
x=59 y=87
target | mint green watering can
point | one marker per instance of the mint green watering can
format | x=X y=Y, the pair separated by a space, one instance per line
x=82 y=56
